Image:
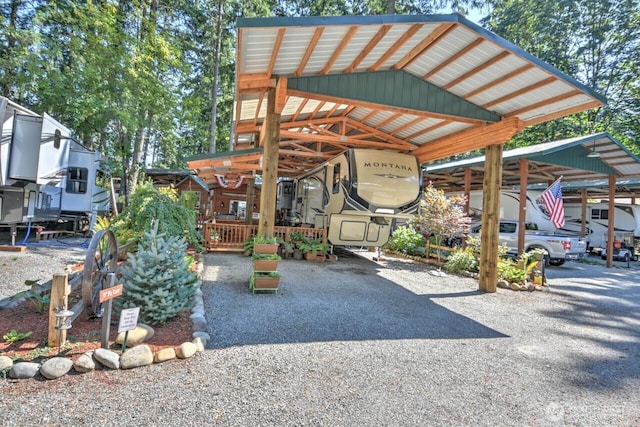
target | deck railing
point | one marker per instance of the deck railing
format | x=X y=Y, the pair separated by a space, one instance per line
x=220 y=237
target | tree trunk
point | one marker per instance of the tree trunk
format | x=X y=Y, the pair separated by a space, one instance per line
x=391 y=7
x=214 y=88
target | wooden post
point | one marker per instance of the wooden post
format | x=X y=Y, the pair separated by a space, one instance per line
x=610 y=230
x=522 y=212
x=266 y=226
x=248 y=219
x=583 y=213
x=58 y=301
x=490 y=218
x=467 y=193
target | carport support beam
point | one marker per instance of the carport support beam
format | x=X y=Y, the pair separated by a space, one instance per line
x=490 y=218
x=522 y=211
x=610 y=228
x=266 y=225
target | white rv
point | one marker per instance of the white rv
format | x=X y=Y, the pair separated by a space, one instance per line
x=626 y=222
x=44 y=174
x=357 y=195
x=536 y=212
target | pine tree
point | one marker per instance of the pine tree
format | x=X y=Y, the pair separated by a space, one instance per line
x=157 y=278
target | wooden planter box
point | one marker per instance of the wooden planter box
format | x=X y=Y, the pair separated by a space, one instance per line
x=265 y=265
x=265 y=248
x=262 y=283
x=318 y=257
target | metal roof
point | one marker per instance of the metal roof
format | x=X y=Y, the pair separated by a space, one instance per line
x=547 y=161
x=433 y=85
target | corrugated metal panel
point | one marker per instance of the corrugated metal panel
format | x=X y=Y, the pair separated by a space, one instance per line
x=395 y=88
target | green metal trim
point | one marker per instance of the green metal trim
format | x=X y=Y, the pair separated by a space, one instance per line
x=223 y=154
x=394 y=88
x=574 y=157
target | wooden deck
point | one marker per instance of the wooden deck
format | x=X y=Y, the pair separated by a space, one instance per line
x=230 y=237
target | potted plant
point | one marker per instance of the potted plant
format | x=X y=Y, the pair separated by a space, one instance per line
x=264 y=281
x=265 y=245
x=315 y=250
x=297 y=238
x=265 y=262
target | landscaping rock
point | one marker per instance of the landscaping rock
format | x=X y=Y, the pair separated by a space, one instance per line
x=137 y=336
x=199 y=344
x=140 y=355
x=107 y=358
x=201 y=334
x=186 y=350
x=503 y=284
x=23 y=370
x=5 y=362
x=164 y=355
x=85 y=363
x=55 y=367
x=515 y=286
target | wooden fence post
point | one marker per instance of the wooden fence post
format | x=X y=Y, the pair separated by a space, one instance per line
x=58 y=301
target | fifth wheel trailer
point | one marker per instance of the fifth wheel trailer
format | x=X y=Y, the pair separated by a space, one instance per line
x=356 y=195
x=45 y=175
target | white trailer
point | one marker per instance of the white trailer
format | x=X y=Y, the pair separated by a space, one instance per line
x=45 y=174
x=536 y=212
x=626 y=223
x=358 y=195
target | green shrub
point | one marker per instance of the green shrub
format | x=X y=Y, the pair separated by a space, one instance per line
x=461 y=260
x=157 y=278
x=407 y=240
x=148 y=204
x=508 y=270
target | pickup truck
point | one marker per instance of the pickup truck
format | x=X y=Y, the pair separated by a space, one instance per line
x=559 y=247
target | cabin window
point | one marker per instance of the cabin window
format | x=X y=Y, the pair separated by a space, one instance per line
x=599 y=213
x=336 y=178
x=77 y=180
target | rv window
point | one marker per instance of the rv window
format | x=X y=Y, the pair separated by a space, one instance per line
x=77 y=180
x=336 y=178
x=599 y=213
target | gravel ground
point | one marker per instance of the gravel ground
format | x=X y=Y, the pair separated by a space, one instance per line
x=39 y=262
x=356 y=342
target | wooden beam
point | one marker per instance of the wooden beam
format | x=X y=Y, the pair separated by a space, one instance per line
x=545 y=102
x=391 y=108
x=526 y=89
x=424 y=45
x=476 y=70
x=275 y=51
x=454 y=57
x=310 y=48
x=251 y=191
x=268 y=193
x=367 y=49
x=336 y=53
x=397 y=45
x=469 y=140
x=496 y=82
x=563 y=113
x=583 y=213
x=280 y=94
x=611 y=224
x=489 y=237
x=249 y=85
x=522 y=214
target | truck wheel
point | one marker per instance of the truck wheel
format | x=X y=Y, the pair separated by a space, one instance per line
x=626 y=258
x=556 y=262
x=603 y=256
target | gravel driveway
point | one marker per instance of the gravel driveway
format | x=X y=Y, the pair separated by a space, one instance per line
x=355 y=343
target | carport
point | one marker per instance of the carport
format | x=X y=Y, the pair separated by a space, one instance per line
x=581 y=162
x=432 y=85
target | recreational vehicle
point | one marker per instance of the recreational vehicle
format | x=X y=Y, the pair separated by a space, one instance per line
x=357 y=195
x=535 y=211
x=44 y=174
x=626 y=223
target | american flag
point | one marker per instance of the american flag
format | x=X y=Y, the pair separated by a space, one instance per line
x=552 y=199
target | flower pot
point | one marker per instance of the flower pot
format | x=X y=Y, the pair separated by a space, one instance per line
x=297 y=254
x=262 y=283
x=265 y=265
x=318 y=257
x=265 y=248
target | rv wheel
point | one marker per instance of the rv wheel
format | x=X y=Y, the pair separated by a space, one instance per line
x=556 y=262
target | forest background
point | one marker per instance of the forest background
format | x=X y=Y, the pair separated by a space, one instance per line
x=151 y=81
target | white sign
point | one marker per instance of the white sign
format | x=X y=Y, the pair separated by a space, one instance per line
x=128 y=319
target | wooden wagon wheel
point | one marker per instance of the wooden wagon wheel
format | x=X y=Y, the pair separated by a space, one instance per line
x=101 y=259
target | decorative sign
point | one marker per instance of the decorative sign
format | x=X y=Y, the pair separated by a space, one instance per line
x=128 y=319
x=110 y=293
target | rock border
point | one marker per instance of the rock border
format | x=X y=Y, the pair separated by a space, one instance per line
x=140 y=355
